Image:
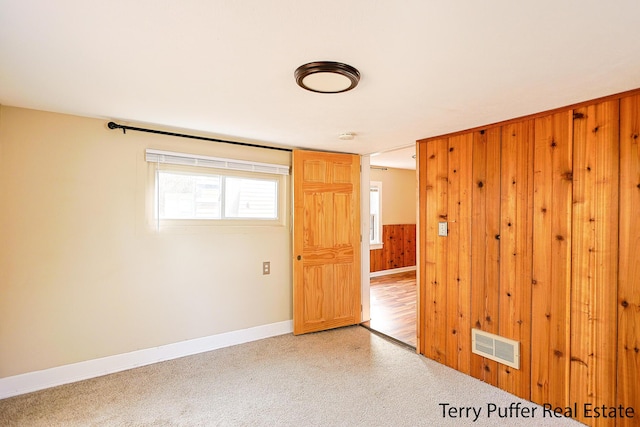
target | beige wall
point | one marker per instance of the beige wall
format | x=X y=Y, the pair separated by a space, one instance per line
x=83 y=276
x=398 y=195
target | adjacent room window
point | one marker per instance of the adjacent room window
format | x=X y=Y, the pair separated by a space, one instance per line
x=375 y=217
x=200 y=190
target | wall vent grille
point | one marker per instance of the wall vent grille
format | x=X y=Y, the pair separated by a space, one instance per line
x=494 y=347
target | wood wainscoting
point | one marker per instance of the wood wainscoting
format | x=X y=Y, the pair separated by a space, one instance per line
x=398 y=249
x=543 y=248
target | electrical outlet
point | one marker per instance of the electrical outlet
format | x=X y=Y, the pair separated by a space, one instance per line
x=266 y=267
x=442 y=229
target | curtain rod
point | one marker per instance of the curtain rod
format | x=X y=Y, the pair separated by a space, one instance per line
x=124 y=128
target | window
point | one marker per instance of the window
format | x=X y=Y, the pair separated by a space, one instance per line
x=250 y=198
x=375 y=215
x=183 y=195
x=198 y=190
x=188 y=196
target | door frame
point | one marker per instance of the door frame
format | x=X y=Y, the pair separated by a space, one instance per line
x=365 y=177
x=365 y=287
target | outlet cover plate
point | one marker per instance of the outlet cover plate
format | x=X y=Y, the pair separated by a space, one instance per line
x=442 y=229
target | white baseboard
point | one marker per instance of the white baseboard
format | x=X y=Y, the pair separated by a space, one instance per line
x=38 y=380
x=392 y=271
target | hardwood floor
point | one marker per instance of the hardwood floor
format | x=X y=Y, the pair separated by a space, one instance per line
x=393 y=306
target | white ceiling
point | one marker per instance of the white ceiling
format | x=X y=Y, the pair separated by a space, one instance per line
x=226 y=67
x=401 y=158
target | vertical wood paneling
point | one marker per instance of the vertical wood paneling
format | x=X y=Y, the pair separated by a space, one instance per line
x=561 y=192
x=594 y=257
x=409 y=245
x=398 y=255
x=390 y=248
x=435 y=205
x=516 y=251
x=629 y=259
x=376 y=260
x=485 y=246
x=399 y=248
x=552 y=200
x=458 y=275
x=451 y=284
x=424 y=229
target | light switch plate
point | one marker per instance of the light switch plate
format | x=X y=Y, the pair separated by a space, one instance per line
x=442 y=229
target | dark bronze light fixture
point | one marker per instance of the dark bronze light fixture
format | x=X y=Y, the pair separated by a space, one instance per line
x=327 y=77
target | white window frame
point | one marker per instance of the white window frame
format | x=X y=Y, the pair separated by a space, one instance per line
x=375 y=220
x=164 y=161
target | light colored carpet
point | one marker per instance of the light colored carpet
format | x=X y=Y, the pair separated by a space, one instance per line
x=344 y=377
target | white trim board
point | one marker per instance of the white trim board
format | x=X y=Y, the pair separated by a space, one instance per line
x=38 y=380
x=392 y=271
x=365 y=209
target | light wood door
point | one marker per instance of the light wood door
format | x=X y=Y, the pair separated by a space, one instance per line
x=326 y=241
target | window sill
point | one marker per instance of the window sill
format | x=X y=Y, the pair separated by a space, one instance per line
x=375 y=246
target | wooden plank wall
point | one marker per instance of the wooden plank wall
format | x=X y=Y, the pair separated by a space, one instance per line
x=552 y=204
x=433 y=180
x=514 y=298
x=398 y=249
x=485 y=243
x=594 y=256
x=458 y=268
x=544 y=248
x=628 y=298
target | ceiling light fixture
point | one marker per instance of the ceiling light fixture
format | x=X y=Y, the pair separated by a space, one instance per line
x=327 y=77
x=347 y=136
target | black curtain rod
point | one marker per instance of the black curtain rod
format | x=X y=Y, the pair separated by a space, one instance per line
x=125 y=128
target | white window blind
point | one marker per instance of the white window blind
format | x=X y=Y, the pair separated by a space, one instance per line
x=173 y=158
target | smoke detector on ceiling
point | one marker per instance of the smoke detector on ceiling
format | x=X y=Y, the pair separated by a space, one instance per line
x=347 y=136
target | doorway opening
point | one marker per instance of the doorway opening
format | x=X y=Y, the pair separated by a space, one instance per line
x=393 y=306
x=392 y=254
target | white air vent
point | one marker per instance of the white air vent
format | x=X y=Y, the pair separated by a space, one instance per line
x=494 y=347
